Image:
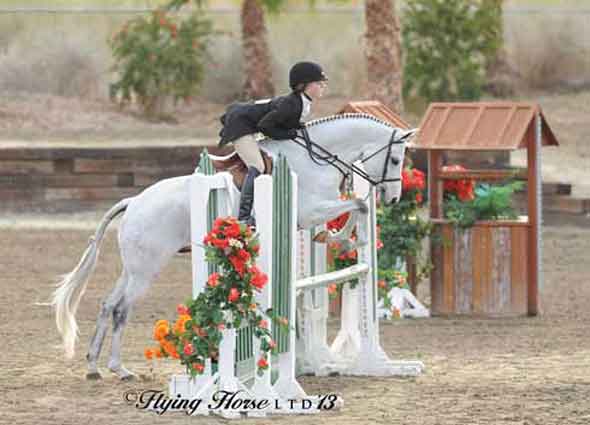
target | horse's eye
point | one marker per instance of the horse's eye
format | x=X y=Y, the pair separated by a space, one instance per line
x=395 y=160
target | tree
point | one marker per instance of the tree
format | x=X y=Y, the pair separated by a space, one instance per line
x=257 y=68
x=383 y=53
x=447 y=45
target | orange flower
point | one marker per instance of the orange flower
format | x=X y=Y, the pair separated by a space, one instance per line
x=158 y=352
x=198 y=367
x=148 y=353
x=180 y=325
x=170 y=349
x=161 y=330
x=381 y=284
x=332 y=288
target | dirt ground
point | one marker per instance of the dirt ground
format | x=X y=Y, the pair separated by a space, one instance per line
x=496 y=371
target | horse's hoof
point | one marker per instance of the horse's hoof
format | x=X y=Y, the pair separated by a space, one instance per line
x=128 y=378
x=123 y=373
x=94 y=376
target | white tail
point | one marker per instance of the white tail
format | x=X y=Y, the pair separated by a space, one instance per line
x=72 y=285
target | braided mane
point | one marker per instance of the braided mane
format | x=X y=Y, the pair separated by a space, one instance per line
x=348 y=115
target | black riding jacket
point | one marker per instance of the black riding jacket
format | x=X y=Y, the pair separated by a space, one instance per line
x=277 y=118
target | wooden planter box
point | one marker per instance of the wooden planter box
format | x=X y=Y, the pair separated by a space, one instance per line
x=482 y=270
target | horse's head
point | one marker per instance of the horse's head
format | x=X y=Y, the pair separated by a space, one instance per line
x=385 y=163
x=362 y=137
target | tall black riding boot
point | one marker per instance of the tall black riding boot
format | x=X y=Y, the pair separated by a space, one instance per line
x=247 y=197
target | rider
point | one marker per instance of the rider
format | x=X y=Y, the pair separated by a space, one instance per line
x=277 y=118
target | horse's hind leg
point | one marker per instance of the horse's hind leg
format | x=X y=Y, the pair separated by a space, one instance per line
x=106 y=309
x=136 y=287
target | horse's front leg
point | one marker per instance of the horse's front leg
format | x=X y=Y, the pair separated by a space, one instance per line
x=330 y=210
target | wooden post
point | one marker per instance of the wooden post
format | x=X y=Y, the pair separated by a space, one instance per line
x=534 y=213
x=435 y=199
x=411 y=268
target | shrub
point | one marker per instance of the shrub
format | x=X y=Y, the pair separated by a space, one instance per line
x=158 y=57
x=447 y=44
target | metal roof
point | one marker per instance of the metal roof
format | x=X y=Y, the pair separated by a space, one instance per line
x=481 y=126
x=378 y=110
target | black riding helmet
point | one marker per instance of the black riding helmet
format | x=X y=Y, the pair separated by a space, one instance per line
x=305 y=72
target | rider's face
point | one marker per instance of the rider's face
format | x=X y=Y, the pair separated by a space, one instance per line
x=316 y=89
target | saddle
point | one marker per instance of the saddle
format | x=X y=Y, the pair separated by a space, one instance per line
x=232 y=163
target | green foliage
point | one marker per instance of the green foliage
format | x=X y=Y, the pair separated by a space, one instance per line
x=447 y=44
x=159 y=56
x=490 y=203
x=402 y=233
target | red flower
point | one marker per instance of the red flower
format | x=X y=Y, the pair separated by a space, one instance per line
x=381 y=284
x=181 y=309
x=213 y=280
x=262 y=363
x=221 y=326
x=232 y=231
x=352 y=255
x=405 y=179
x=188 y=349
x=259 y=278
x=379 y=244
x=219 y=221
x=462 y=188
x=243 y=255
x=238 y=264
x=220 y=243
x=419 y=197
x=198 y=367
x=263 y=324
x=234 y=295
x=332 y=288
x=419 y=179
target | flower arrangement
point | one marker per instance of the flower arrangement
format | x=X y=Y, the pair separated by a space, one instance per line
x=227 y=301
x=463 y=189
x=465 y=202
